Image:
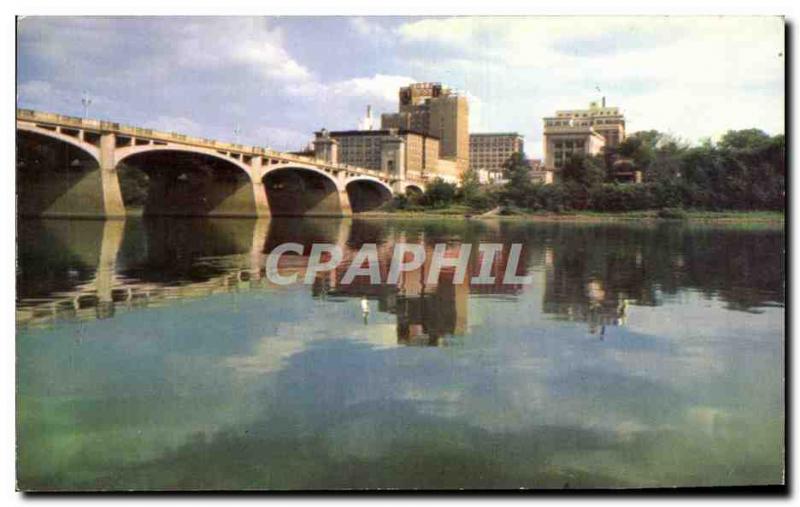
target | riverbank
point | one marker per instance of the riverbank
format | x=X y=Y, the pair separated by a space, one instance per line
x=458 y=212
x=463 y=213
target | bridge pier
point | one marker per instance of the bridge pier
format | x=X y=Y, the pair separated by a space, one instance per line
x=113 y=207
x=260 y=203
x=344 y=198
x=344 y=203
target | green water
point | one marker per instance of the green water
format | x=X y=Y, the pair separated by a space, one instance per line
x=155 y=354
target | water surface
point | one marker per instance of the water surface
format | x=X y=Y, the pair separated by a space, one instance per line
x=155 y=354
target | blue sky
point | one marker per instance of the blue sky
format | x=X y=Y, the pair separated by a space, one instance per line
x=281 y=78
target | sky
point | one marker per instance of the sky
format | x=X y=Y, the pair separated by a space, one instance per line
x=273 y=81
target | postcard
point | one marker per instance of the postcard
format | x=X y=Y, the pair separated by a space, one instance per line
x=306 y=253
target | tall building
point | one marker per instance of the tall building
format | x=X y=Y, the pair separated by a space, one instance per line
x=438 y=111
x=488 y=152
x=585 y=131
x=403 y=153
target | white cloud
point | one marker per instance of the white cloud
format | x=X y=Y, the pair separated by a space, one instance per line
x=337 y=102
x=379 y=87
x=47 y=96
x=249 y=43
x=179 y=124
x=35 y=91
x=283 y=139
x=233 y=65
x=695 y=77
x=367 y=28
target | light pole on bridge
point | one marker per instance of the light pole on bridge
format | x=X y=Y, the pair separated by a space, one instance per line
x=86 y=101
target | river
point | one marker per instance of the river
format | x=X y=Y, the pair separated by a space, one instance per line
x=155 y=354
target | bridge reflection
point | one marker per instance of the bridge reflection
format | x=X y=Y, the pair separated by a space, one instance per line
x=72 y=269
x=92 y=270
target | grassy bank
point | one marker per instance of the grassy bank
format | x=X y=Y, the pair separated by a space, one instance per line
x=461 y=212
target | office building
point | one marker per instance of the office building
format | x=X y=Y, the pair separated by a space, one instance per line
x=437 y=111
x=488 y=153
x=403 y=153
x=584 y=131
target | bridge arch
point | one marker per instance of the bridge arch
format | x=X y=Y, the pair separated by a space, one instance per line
x=181 y=180
x=296 y=189
x=57 y=174
x=89 y=148
x=269 y=168
x=367 y=193
x=122 y=153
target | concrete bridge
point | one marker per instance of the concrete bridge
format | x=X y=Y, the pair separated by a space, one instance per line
x=70 y=167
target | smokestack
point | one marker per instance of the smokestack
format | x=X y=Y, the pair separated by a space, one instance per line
x=604 y=102
x=366 y=123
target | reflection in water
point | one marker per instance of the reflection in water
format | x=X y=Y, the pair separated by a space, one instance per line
x=157 y=354
x=174 y=259
x=593 y=273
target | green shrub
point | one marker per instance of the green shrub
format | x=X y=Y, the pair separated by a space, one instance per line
x=481 y=201
x=672 y=214
x=621 y=197
x=439 y=194
x=398 y=202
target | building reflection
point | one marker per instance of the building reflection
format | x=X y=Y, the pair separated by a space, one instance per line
x=427 y=314
x=588 y=285
x=597 y=305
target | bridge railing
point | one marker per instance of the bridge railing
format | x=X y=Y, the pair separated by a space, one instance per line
x=118 y=128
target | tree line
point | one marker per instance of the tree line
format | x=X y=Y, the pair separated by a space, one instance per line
x=744 y=170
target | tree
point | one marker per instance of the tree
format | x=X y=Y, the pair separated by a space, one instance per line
x=640 y=147
x=470 y=184
x=439 y=193
x=580 y=175
x=517 y=170
x=583 y=170
x=665 y=164
x=748 y=139
x=475 y=195
x=519 y=186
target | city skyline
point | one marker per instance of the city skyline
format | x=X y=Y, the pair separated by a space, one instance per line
x=280 y=79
